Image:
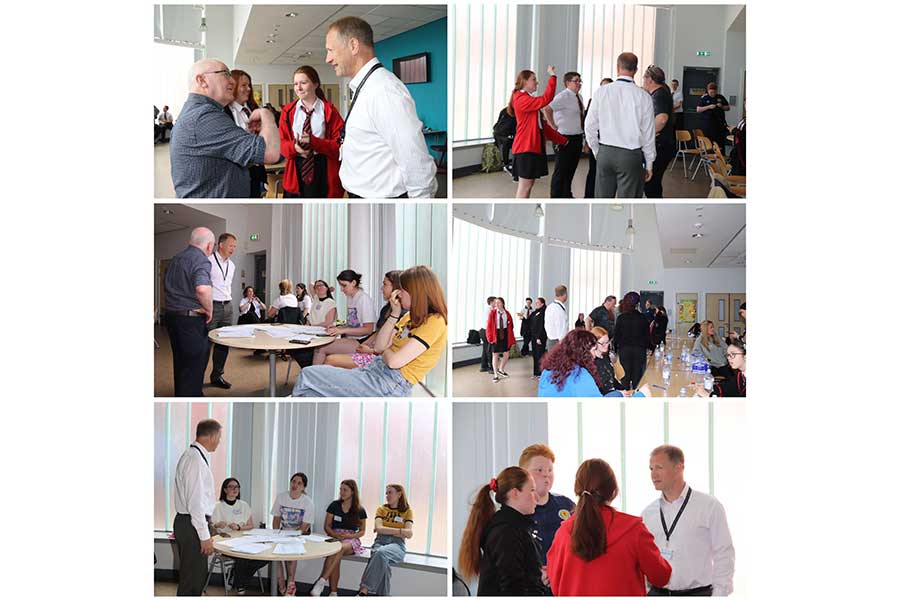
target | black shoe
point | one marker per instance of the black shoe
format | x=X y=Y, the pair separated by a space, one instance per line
x=259 y=352
x=220 y=382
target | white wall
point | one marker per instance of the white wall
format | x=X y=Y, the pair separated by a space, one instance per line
x=220 y=32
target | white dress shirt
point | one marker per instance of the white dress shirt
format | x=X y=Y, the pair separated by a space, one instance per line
x=194 y=492
x=676 y=98
x=246 y=304
x=164 y=117
x=621 y=114
x=317 y=124
x=567 y=113
x=384 y=153
x=702 y=553
x=222 y=274
x=556 y=321
x=241 y=119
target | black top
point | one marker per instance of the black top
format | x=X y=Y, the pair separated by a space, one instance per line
x=511 y=558
x=382 y=317
x=607 y=375
x=661 y=322
x=601 y=318
x=536 y=324
x=714 y=117
x=345 y=521
x=663 y=105
x=187 y=270
x=632 y=329
x=735 y=385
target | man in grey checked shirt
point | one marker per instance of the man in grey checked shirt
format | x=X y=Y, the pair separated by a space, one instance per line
x=208 y=152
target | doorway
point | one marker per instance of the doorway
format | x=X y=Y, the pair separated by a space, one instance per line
x=723 y=310
x=280 y=94
x=332 y=93
x=685 y=313
x=694 y=86
x=259 y=276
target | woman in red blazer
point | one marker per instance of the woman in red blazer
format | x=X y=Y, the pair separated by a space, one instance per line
x=529 y=153
x=317 y=148
x=501 y=336
x=600 y=551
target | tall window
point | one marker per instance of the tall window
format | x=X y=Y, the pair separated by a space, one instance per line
x=485 y=50
x=399 y=443
x=174 y=428
x=488 y=264
x=593 y=275
x=713 y=437
x=324 y=250
x=171 y=65
x=606 y=31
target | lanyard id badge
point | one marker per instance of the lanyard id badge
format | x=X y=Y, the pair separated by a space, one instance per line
x=667 y=552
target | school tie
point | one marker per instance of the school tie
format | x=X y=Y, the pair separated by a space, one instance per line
x=580 y=110
x=306 y=169
x=246 y=111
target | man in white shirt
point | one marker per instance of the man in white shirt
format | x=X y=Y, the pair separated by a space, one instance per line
x=690 y=529
x=195 y=499
x=566 y=115
x=621 y=132
x=678 y=104
x=556 y=319
x=383 y=152
x=222 y=274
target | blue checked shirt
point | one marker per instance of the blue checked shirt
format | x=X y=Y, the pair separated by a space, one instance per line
x=210 y=154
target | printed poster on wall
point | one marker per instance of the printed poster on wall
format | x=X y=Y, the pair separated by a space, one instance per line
x=687 y=311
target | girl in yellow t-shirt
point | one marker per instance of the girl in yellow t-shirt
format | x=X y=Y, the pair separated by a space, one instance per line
x=393 y=525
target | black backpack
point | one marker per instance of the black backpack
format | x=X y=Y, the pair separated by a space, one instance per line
x=505 y=127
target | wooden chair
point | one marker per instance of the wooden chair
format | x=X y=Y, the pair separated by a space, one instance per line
x=706 y=154
x=683 y=139
x=716 y=192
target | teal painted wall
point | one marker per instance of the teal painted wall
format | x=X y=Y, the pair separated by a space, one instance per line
x=431 y=97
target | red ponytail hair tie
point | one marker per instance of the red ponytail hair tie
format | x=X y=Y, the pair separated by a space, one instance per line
x=493 y=484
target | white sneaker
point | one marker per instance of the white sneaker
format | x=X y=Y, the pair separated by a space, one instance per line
x=318 y=587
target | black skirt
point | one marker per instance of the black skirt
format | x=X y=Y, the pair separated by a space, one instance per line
x=319 y=186
x=502 y=344
x=529 y=165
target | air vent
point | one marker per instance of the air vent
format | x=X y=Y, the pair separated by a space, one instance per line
x=683 y=251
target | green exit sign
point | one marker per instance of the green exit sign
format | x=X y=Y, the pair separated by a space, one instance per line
x=704 y=53
x=254 y=237
x=651 y=282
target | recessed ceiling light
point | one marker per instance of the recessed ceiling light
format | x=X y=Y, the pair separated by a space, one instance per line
x=290 y=15
x=616 y=207
x=273 y=35
x=698 y=225
x=168 y=212
x=270 y=41
x=699 y=209
x=697 y=235
x=688 y=261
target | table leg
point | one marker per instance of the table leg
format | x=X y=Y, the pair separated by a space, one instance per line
x=273 y=578
x=272 y=359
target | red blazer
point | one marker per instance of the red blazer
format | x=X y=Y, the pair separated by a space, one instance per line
x=528 y=136
x=327 y=146
x=630 y=555
x=490 y=332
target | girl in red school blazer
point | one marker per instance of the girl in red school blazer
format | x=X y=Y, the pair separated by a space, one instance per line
x=529 y=154
x=501 y=339
x=325 y=180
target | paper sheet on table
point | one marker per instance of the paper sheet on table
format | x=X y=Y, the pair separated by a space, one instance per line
x=242 y=331
x=292 y=548
x=315 y=538
x=251 y=548
x=269 y=533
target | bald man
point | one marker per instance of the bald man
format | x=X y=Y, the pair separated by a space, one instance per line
x=209 y=153
x=189 y=308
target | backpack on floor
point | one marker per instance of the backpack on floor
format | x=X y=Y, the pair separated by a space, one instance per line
x=491 y=160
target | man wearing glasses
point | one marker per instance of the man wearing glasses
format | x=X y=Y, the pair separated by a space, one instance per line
x=209 y=154
x=566 y=115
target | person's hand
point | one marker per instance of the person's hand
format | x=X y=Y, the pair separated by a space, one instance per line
x=627 y=393
x=395 y=302
x=203 y=312
x=551 y=70
x=366 y=350
x=544 y=578
x=219 y=525
x=648 y=174
x=701 y=391
x=586 y=148
x=304 y=140
x=234 y=526
x=333 y=331
x=206 y=546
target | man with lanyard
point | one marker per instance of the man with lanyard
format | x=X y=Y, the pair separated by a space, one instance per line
x=222 y=272
x=620 y=130
x=525 y=329
x=194 y=503
x=566 y=115
x=556 y=319
x=383 y=151
x=690 y=529
x=189 y=308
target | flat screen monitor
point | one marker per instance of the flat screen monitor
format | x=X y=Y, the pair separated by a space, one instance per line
x=413 y=69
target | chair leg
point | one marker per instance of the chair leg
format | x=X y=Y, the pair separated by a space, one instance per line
x=698 y=168
x=287 y=378
x=209 y=571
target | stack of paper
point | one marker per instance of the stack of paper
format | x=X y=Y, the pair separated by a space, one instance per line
x=315 y=538
x=292 y=548
x=250 y=547
x=241 y=331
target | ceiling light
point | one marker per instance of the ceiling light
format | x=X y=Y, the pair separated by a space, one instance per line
x=698 y=225
x=699 y=209
x=202 y=23
x=270 y=41
x=290 y=15
x=697 y=235
x=688 y=261
x=538 y=210
x=616 y=207
x=273 y=35
x=629 y=231
x=168 y=212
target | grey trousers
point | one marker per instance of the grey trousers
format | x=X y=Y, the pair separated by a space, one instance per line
x=222 y=317
x=620 y=172
x=193 y=566
x=387 y=551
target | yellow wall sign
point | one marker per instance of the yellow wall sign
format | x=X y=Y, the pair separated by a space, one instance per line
x=687 y=311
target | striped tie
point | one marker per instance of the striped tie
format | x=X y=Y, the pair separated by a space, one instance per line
x=306 y=168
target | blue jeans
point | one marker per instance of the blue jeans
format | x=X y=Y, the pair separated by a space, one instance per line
x=387 y=551
x=374 y=380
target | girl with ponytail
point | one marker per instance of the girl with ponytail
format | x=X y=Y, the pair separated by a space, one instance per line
x=600 y=551
x=499 y=546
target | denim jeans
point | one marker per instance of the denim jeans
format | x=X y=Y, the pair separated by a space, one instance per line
x=387 y=551
x=374 y=380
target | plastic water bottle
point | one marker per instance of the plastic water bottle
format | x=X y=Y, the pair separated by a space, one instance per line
x=669 y=357
x=666 y=374
x=682 y=392
x=708 y=381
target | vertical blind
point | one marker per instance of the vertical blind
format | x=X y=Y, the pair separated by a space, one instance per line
x=484 y=67
x=606 y=31
x=324 y=247
x=593 y=275
x=488 y=263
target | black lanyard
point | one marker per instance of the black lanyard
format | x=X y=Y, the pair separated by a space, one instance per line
x=205 y=460
x=668 y=531
x=225 y=272
x=625 y=80
x=561 y=306
x=354 y=97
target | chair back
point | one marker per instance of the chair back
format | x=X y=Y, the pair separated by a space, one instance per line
x=682 y=135
x=289 y=315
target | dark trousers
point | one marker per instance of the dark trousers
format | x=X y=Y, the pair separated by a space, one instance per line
x=537 y=353
x=566 y=163
x=190 y=348
x=192 y=566
x=702 y=591
x=485 y=351
x=221 y=318
x=352 y=195
x=591 y=180
x=318 y=188
x=244 y=569
x=620 y=172
x=526 y=340
x=634 y=362
x=679 y=121
x=653 y=188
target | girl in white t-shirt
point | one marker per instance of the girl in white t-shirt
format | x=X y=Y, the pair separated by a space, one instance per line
x=292 y=510
x=286 y=298
x=323 y=310
x=231 y=515
x=361 y=318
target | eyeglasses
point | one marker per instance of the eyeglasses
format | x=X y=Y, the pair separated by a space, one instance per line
x=733 y=355
x=232 y=487
x=601 y=343
x=224 y=72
